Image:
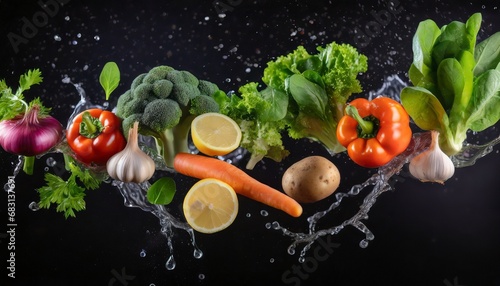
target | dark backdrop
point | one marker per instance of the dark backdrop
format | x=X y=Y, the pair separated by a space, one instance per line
x=426 y=234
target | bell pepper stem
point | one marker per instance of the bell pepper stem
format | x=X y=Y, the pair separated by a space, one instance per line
x=28 y=164
x=90 y=127
x=365 y=125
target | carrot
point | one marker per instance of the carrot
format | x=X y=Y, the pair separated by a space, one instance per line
x=202 y=167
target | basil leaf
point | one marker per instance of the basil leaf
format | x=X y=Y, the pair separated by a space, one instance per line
x=109 y=78
x=450 y=81
x=162 y=191
x=484 y=108
x=424 y=108
x=487 y=54
x=309 y=96
x=314 y=77
x=312 y=63
x=279 y=104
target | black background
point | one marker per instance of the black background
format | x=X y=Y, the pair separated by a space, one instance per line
x=426 y=234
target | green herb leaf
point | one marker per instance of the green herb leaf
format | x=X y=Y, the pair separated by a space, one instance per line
x=278 y=104
x=28 y=79
x=310 y=97
x=162 y=191
x=68 y=196
x=89 y=180
x=423 y=41
x=109 y=78
x=450 y=81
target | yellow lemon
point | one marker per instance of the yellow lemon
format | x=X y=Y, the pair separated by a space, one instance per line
x=215 y=134
x=210 y=206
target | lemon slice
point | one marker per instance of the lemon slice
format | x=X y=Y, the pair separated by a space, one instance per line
x=215 y=134
x=210 y=206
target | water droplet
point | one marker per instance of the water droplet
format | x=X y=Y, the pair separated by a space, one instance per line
x=67 y=18
x=302 y=259
x=363 y=243
x=85 y=67
x=207 y=18
x=74 y=42
x=276 y=225
x=201 y=276
x=152 y=284
x=57 y=38
x=228 y=80
x=197 y=253
x=291 y=250
x=46 y=169
x=271 y=260
x=78 y=35
x=247 y=70
x=143 y=253
x=268 y=225
x=170 y=265
x=51 y=162
x=248 y=215
x=34 y=206
x=264 y=213
x=97 y=38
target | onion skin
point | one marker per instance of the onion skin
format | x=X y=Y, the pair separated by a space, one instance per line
x=30 y=135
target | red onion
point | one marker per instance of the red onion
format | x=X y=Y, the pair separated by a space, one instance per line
x=30 y=134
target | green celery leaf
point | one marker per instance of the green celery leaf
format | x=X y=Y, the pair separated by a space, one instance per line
x=31 y=77
x=68 y=196
x=109 y=78
x=162 y=191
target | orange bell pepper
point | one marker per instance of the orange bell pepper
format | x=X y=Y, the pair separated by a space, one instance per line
x=374 y=132
x=94 y=136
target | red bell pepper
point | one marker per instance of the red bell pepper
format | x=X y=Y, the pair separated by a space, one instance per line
x=94 y=136
x=374 y=132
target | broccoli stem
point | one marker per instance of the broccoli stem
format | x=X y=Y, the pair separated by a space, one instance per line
x=174 y=141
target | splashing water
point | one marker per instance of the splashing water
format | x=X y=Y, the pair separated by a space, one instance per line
x=381 y=182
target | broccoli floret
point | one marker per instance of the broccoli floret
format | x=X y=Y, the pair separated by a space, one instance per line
x=165 y=101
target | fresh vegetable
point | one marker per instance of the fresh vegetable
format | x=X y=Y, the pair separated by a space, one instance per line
x=374 y=132
x=165 y=101
x=202 y=167
x=456 y=82
x=432 y=165
x=109 y=78
x=162 y=191
x=94 y=136
x=26 y=129
x=131 y=164
x=305 y=95
x=68 y=195
x=311 y=179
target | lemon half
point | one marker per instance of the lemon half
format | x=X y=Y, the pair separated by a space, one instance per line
x=215 y=134
x=210 y=206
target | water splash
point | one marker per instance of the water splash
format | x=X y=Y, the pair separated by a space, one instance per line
x=134 y=196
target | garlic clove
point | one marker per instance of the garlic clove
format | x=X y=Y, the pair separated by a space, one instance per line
x=131 y=165
x=432 y=165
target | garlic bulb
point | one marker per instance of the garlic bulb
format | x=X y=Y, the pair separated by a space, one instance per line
x=432 y=165
x=131 y=164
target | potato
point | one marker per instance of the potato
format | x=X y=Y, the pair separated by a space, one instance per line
x=311 y=179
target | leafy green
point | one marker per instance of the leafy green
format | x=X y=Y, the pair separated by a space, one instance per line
x=68 y=195
x=13 y=104
x=456 y=83
x=162 y=191
x=304 y=96
x=109 y=78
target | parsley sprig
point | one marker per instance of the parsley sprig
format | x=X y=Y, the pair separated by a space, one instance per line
x=67 y=195
x=12 y=103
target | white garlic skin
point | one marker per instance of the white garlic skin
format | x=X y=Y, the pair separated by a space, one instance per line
x=432 y=165
x=131 y=165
